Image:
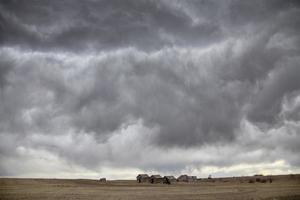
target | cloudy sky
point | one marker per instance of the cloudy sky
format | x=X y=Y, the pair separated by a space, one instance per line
x=93 y=89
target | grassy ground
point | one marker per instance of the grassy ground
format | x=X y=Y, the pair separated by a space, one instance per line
x=32 y=189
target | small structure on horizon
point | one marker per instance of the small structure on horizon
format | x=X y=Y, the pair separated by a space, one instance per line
x=169 y=179
x=143 y=178
x=192 y=178
x=186 y=178
x=102 y=179
x=156 y=179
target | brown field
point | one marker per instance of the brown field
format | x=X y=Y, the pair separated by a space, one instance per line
x=282 y=188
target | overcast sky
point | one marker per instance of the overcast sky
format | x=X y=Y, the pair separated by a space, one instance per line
x=93 y=89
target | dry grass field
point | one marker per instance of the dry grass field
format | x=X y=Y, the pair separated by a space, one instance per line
x=282 y=188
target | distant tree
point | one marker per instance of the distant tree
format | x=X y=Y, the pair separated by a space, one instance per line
x=209 y=176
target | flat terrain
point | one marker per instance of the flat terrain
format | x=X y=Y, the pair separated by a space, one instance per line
x=31 y=189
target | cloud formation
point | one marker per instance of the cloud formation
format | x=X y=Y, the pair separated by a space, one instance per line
x=150 y=86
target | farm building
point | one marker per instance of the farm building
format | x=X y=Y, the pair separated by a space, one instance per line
x=169 y=179
x=102 y=179
x=143 y=178
x=186 y=178
x=183 y=178
x=193 y=178
x=156 y=179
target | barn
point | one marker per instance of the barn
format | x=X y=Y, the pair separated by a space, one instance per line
x=169 y=179
x=156 y=179
x=183 y=178
x=186 y=178
x=143 y=178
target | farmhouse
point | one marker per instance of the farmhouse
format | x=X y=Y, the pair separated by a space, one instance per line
x=143 y=178
x=169 y=179
x=186 y=178
x=156 y=179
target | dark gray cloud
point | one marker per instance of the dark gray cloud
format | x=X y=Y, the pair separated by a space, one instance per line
x=77 y=26
x=150 y=76
x=268 y=101
x=5 y=69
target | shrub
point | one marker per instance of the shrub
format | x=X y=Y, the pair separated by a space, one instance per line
x=251 y=181
x=263 y=181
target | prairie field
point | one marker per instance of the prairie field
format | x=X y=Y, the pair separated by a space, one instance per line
x=281 y=188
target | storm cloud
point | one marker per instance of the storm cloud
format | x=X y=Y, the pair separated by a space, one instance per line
x=121 y=87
